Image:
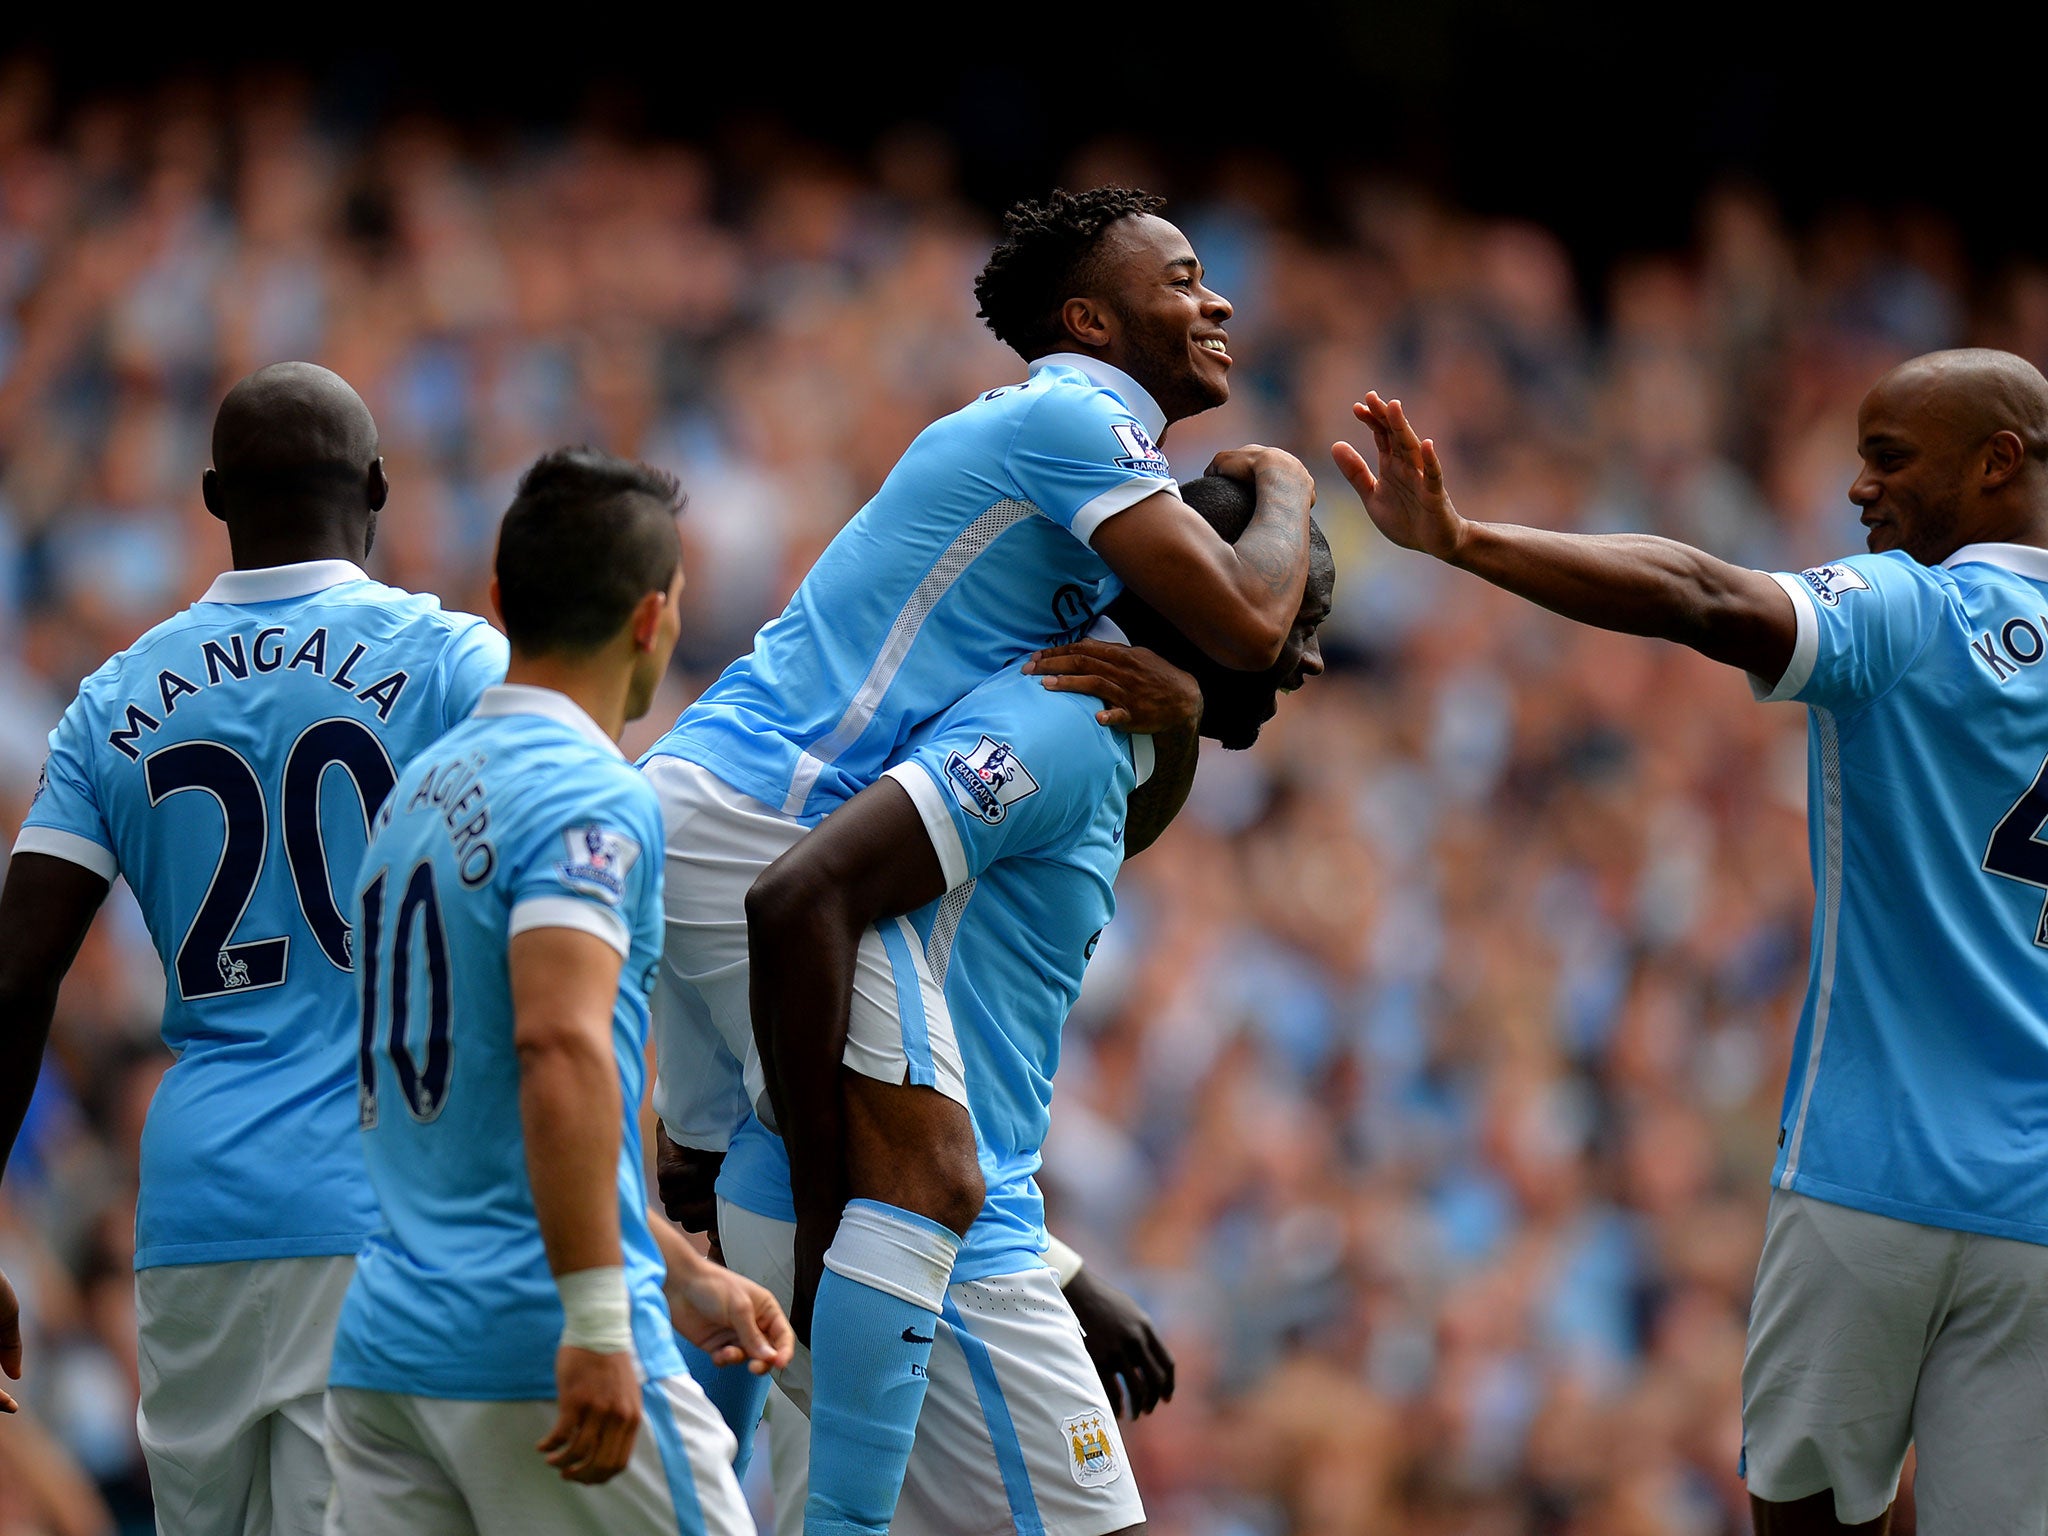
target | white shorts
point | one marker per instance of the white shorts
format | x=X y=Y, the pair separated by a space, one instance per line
x=1868 y=1333
x=430 y=1466
x=718 y=842
x=1016 y=1432
x=233 y=1363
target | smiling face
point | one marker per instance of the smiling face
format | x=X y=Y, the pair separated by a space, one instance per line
x=1169 y=333
x=1916 y=469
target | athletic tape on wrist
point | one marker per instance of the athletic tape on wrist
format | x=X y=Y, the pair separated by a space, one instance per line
x=1065 y=1262
x=597 y=1312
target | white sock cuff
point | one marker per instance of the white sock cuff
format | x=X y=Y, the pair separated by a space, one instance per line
x=897 y=1252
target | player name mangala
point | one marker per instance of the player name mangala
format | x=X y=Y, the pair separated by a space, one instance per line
x=236 y=658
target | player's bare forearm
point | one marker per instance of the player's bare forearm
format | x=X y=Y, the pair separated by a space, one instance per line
x=1159 y=799
x=1236 y=602
x=46 y=907
x=1640 y=585
x=564 y=982
x=1632 y=583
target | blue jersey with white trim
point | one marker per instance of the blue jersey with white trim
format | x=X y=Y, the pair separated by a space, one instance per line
x=1024 y=796
x=973 y=554
x=523 y=817
x=227 y=765
x=1919 y=1080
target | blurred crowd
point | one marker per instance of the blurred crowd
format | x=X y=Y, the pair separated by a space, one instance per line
x=1427 y=1083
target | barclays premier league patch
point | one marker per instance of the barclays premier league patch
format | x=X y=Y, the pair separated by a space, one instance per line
x=1092 y=1454
x=598 y=861
x=989 y=780
x=1141 y=456
x=1829 y=582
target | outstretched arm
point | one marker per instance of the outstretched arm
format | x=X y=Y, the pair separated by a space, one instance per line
x=1236 y=601
x=1632 y=583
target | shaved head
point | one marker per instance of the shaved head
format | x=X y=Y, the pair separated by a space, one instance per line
x=292 y=418
x=1955 y=451
x=1975 y=392
x=295 y=467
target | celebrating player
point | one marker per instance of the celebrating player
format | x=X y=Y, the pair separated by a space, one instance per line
x=990 y=848
x=512 y=1307
x=1005 y=527
x=1898 y=1297
x=228 y=764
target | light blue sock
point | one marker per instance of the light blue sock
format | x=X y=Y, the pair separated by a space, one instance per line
x=736 y=1392
x=871 y=1338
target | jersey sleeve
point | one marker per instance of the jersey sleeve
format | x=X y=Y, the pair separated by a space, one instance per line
x=992 y=783
x=65 y=819
x=590 y=861
x=1081 y=458
x=1861 y=621
x=474 y=659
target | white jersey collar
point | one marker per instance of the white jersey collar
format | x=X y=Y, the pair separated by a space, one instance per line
x=274 y=583
x=2028 y=560
x=1136 y=398
x=526 y=699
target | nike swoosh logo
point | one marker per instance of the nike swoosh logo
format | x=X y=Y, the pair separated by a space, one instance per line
x=1117 y=836
x=912 y=1336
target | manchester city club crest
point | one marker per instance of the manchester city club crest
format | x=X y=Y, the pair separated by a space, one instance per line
x=1091 y=1453
x=598 y=861
x=989 y=780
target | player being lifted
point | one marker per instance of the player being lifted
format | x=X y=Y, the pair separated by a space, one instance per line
x=517 y=1302
x=1899 y=1294
x=991 y=848
x=1005 y=527
x=227 y=765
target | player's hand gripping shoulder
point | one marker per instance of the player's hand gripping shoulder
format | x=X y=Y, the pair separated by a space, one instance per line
x=724 y=1314
x=1142 y=692
x=1135 y=1366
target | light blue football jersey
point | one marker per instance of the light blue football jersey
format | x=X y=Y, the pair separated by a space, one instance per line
x=1919 y=1081
x=227 y=764
x=525 y=816
x=1024 y=797
x=973 y=554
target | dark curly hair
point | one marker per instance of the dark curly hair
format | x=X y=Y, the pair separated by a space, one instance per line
x=1046 y=257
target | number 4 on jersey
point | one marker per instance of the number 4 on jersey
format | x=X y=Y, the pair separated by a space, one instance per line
x=2016 y=850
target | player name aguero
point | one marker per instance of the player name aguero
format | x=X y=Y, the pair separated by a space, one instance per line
x=458 y=789
x=238 y=659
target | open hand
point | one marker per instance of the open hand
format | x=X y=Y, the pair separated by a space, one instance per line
x=1406 y=499
x=730 y=1318
x=598 y=1402
x=1144 y=693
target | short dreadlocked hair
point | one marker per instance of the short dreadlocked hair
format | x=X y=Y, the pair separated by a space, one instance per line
x=1047 y=256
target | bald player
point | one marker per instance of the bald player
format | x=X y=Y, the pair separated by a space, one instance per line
x=227 y=765
x=1899 y=1297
